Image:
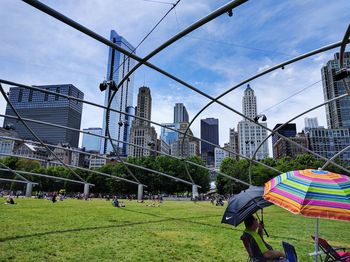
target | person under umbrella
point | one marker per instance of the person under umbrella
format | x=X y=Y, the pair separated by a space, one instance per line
x=261 y=251
x=245 y=204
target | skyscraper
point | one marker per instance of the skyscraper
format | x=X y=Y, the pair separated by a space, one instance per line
x=250 y=135
x=209 y=132
x=47 y=108
x=249 y=103
x=180 y=113
x=337 y=112
x=142 y=133
x=119 y=125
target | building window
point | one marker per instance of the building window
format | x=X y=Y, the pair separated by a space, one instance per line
x=57 y=91
x=20 y=95
x=30 y=97
x=46 y=96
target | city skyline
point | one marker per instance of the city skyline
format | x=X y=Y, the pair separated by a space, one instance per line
x=210 y=58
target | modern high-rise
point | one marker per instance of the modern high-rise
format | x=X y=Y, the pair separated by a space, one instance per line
x=210 y=133
x=91 y=142
x=142 y=133
x=250 y=135
x=119 y=125
x=47 y=108
x=180 y=113
x=337 y=112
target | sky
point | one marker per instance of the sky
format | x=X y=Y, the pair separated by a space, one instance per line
x=36 y=49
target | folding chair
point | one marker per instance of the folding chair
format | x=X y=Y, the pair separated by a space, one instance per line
x=331 y=253
x=289 y=250
x=252 y=248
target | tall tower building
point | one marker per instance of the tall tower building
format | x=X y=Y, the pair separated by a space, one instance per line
x=119 y=124
x=249 y=103
x=337 y=112
x=180 y=113
x=47 y=108
x=250 y=135
x=209 y=132
x=142 y=133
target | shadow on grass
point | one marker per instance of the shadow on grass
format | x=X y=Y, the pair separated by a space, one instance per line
x=187 y=220
x=79 y=230
x=129 y=224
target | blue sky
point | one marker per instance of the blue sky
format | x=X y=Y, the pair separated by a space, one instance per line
x=36 y=49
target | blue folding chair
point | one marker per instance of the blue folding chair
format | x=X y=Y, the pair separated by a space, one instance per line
x=289 y=250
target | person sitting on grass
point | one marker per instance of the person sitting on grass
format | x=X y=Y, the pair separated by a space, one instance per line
x=261 y=251
x=10 y=201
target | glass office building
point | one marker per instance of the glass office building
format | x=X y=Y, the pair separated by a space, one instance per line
x=119 y=125
x=209 y=132
x=47 y=108
x=337 y=112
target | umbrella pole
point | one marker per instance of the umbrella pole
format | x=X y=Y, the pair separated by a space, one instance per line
x=262 y=221
x=316 y=239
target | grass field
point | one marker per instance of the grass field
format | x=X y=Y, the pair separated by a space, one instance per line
x=77 y=230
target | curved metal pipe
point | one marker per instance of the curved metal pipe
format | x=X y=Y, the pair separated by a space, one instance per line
x=343 y=46
x=54 y=177
x=18 y=181
x=11 y=170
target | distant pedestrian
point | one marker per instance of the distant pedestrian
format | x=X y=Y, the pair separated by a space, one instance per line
x=54 y=200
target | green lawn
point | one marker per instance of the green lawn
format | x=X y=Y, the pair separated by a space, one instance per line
x=77 y=230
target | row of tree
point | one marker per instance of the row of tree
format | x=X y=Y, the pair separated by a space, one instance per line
x=260 y=174
x=156 y=183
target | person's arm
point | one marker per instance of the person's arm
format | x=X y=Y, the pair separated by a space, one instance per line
x=273 y=254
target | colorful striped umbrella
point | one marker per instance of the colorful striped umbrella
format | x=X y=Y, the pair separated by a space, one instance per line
x=312 y=193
